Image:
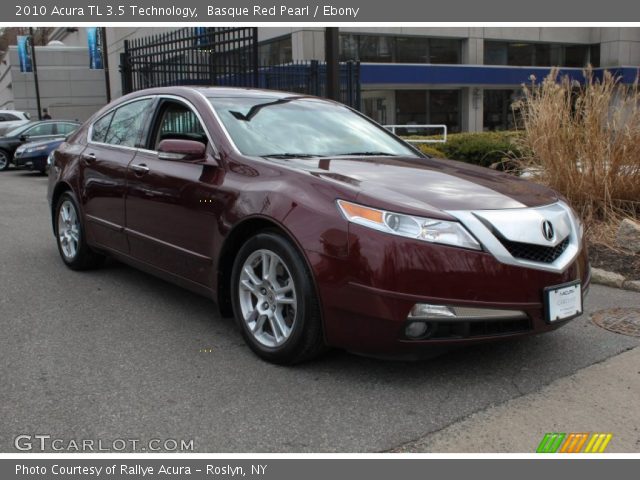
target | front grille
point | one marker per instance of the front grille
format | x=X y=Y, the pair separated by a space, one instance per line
x=441 y=330
x=535 y=253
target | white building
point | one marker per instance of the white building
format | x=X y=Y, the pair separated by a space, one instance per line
x=464 y=77
x=68 y=88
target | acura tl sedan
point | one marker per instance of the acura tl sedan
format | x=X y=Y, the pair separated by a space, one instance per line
x=314 y=226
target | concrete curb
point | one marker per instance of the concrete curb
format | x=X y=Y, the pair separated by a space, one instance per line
x=615 y=280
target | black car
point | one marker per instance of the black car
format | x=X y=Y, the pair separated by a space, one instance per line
x=32 y=132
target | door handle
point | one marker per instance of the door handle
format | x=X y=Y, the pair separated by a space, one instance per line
x=89 y=157
x=140 y=169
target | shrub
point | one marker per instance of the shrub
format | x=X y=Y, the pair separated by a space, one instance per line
x=427 y=149
x=484 y=148
x=584 y=140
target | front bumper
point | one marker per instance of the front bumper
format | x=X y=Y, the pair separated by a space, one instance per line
x=366 y=297
x=34 y=162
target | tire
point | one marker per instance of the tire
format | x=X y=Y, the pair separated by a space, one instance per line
x=5 y=160
x=70 y=237
x=279 y=315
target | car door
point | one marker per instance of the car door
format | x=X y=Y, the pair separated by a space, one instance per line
x=171 y=205
x=113 y=140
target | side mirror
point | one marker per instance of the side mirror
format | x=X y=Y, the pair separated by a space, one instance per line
x=24 y=138
x=182 y=150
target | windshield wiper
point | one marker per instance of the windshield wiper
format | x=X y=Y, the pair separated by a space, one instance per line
x=368 y=154
x=289 y=155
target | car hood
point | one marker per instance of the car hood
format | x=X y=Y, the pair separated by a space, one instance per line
x=40 y=143
x=416 y=185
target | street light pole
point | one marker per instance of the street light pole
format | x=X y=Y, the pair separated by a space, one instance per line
x=105 y=64
x=35 y=71
x=331 y=39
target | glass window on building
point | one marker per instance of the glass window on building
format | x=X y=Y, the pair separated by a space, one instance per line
x=520 y=54
x=420 y=107
x=576 y=56
x=412 y=50
x=594 y=55
x=411 y=107
x=540 y=54
x=443 y=50
x=444 y=108
x=497 y=111
x=495 y=53
x=348 y=47
x=395 y=49
x=376 y=48
x=275 y=52
x=548 y=54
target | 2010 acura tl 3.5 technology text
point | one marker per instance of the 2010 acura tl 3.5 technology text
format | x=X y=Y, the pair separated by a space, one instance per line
x=313 y=225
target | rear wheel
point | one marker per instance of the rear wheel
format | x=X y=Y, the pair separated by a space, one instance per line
x=274 y=300
x=5 y=160
x=75 y=252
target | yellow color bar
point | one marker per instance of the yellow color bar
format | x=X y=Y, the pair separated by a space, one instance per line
x=598 y=443
x=606 y=441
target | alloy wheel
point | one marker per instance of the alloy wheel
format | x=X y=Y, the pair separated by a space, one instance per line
x=267 y=297
x=4 y=161
x=68 y=230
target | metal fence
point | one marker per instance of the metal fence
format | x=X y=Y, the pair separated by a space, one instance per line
x=420 y=130
x=224 y=57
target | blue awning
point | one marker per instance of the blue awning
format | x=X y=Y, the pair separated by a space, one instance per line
x=482 y=75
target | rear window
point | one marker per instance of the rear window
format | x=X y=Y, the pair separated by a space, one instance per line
x=100 y=128
x=8 y=117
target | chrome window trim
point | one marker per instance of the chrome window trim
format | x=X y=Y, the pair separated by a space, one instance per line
x=493 y=245
x=178 y=98
x=193 y=108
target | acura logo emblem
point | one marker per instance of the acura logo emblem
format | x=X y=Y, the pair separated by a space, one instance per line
x=547 y=230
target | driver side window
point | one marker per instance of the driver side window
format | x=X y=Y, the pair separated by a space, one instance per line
x=177 y=121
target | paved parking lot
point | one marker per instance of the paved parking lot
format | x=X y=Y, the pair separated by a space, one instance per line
x=116 y=353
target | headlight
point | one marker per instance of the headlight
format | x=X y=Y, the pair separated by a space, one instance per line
x=426 y=229
x=35 y=149
x=50 y=158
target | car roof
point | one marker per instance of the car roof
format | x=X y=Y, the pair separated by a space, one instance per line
x=53 y=120
x=220 y=92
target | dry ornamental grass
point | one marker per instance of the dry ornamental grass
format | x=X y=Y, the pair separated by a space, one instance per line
x=584 y=141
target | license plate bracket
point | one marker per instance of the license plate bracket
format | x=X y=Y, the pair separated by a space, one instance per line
x=563 y=302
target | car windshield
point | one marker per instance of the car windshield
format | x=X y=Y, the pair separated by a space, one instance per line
x=302 y=127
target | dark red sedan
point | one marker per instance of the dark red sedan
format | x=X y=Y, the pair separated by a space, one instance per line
x=313 y=225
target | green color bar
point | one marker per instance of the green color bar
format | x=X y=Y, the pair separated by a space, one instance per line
x=557 y=443
x=543 y=444
x=551 y=442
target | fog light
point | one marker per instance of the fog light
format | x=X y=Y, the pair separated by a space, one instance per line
x=416 y=329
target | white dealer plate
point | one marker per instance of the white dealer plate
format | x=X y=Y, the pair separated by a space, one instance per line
x=563 y=301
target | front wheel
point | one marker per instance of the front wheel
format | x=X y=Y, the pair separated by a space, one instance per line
x=5 y=160
x=73 y=248
x=274 y=300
